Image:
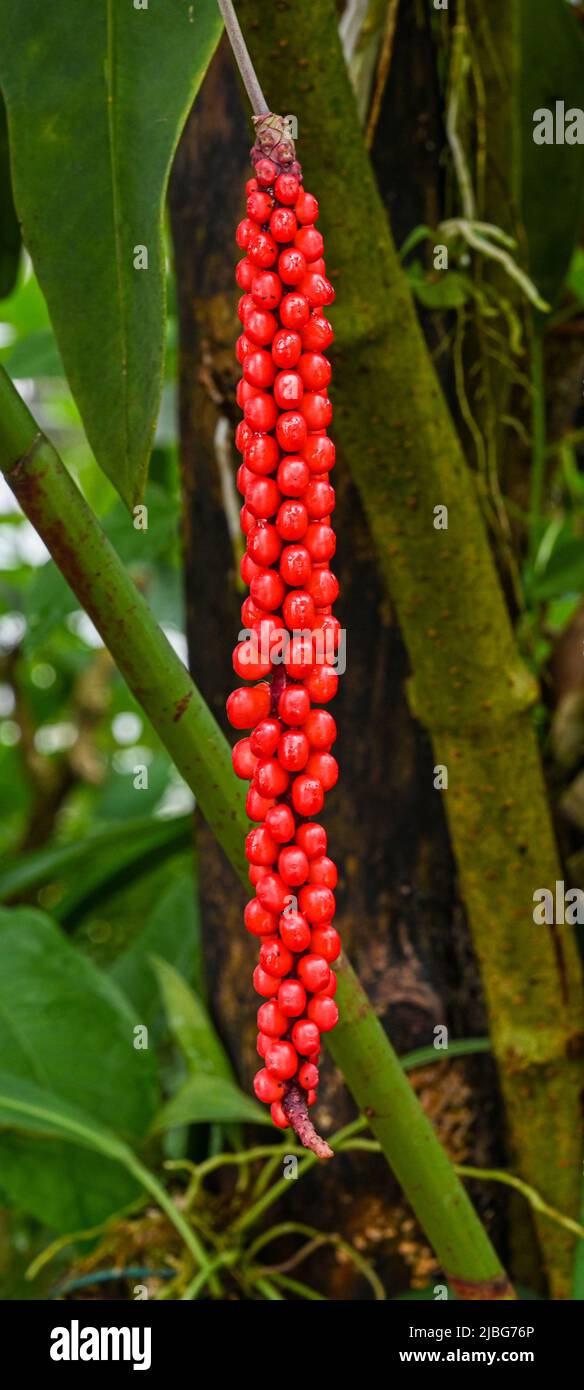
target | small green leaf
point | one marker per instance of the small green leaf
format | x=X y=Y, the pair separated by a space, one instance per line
x=191 y=1026
x=449 y=292
x=206 y=1100
x=172 y=930
x=97 y=93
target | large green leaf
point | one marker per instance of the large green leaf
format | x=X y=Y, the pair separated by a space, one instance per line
x=67 y=1029
x=173 y=931
x=552 y=182
x=97 y=92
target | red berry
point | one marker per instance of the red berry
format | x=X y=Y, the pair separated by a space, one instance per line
x=265 y=738
x=263 y=543
x=286 y=347
x=257 y=920
x=272 y=1021
x=262 y=1043
x=270 y=778
x=293 y=866
x=288 y=389
x=305 y=1035
x=312 y=839
x=320 y=730
x=266 y=291
x=308 y=1076
x=325 y=767
x=306 y=207
x=324 y=1013
x=315 y=288
x=322 y=684
x=260 y=846
x=292 y=519
x=294 y=307
x=262 y=251
x=259 y=206
x=315 y=371
x=287 y=189
x=281 y=824
x=263 y=497
x=244 y=231
x=292 y=269
x=266 y=1087
x=256 y=806
x=293 y=476
x=261 y=412
x=307 y=795
x=298 y=610
x=299 y=657
x=318 y=333
x=317 y=902
x=273 y=893
x=268 y=590
x=293 y=705
x=265 y=984
x=278 y=1116
x=292 y=998
x=325 y=939
x=316 y=409
x=244 y=761
x=291 y=430
x=323 y=870
x=320 y=539
x=246 y=665
x=261 y=454
x=259 y=325
x=295 y=565
x=266 y=172
x=258 y=368
x=283 y=225
x=245 y=272
x=330 y=989
x=319 y=453
x=314 y=973
x=308 y=241
x=276 y=958
x=281 y=1057
x=247 y=705
x=295 y=931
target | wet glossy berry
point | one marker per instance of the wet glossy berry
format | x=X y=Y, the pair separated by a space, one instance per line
x=292 y=998
x=280 y=823
x=281 y=1057
x=266 y=1087
x=271 y=1020
x=312 y=839
x=324 y=1013
x=314 y=972
x=305 y=1035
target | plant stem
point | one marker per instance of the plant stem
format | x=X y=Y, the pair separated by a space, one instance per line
x=241 y=54
x=158 y=679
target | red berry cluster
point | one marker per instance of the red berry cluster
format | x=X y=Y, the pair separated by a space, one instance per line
x=286 y=520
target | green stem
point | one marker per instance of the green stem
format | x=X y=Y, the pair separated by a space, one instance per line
x=158 y=679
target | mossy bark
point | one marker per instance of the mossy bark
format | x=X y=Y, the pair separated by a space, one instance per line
x=469 y=686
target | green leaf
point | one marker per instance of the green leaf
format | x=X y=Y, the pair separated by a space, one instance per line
x=9 y=228
x=35 y=356
x=97 y=93
x=89 y=864
x=206 y=1100
x=449 y=292
x=552 y=176
x=172 y=931
x=67 y=1029
x=191 y=1026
